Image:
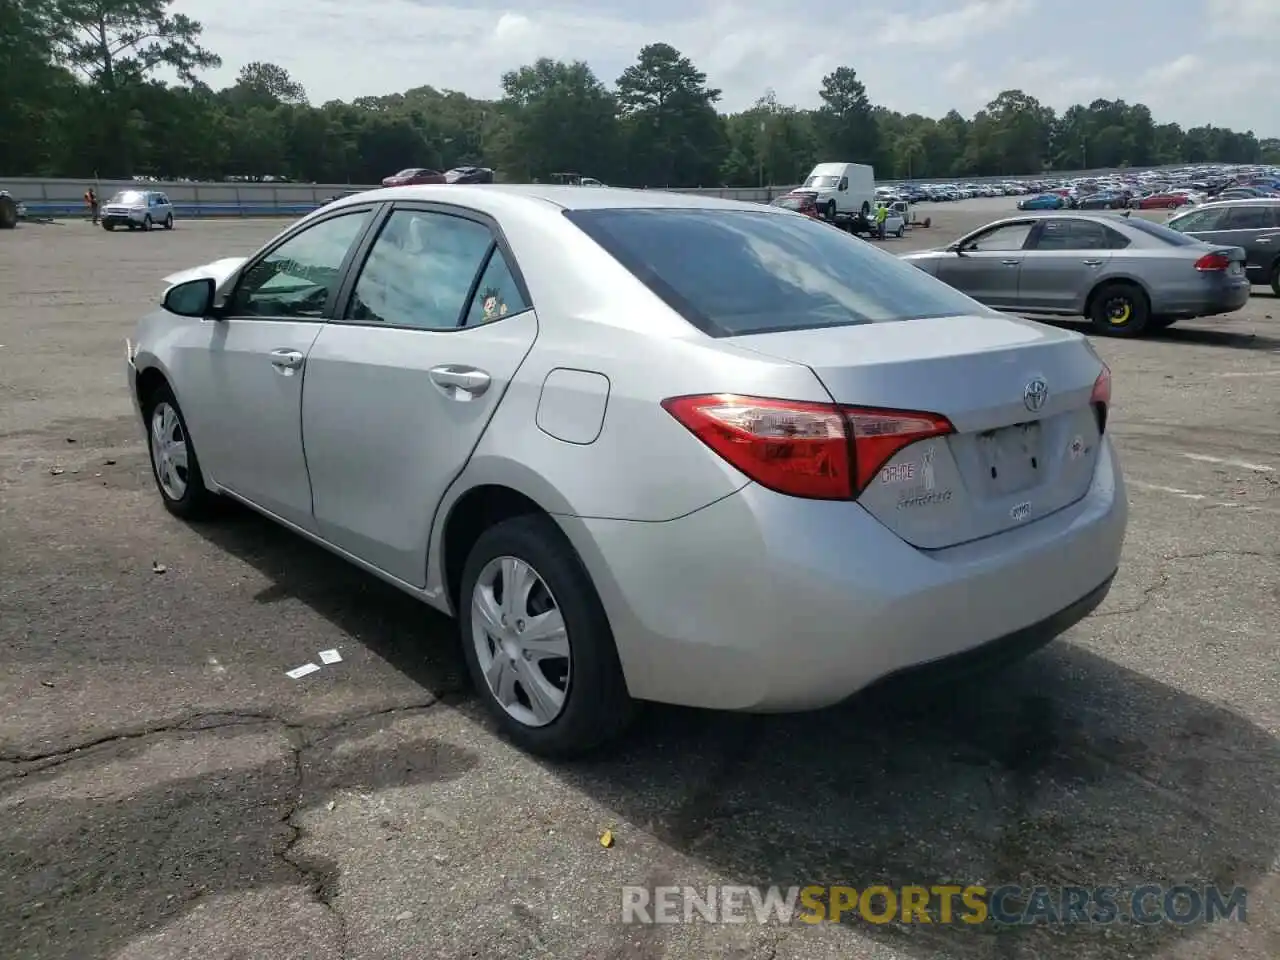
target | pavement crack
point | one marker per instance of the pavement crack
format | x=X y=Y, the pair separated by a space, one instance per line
x=33 y=762
x=1163 y=576
x=320 y=880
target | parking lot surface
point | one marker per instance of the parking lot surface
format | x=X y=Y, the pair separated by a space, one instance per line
x=167 y=792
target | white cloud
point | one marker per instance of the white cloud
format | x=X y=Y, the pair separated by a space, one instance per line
x=1252 y=19
x=341 y=51
x=953 y=28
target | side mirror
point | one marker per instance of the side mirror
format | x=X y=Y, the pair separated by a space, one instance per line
x=194 y=298
x=956 y=248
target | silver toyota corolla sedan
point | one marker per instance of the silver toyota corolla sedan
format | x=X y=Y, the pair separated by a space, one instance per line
x=1127 y=275
x=643 y=446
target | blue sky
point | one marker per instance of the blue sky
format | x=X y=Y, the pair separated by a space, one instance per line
x=1191 y=61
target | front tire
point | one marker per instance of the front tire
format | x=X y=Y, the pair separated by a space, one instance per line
x=1275 y=278
x=537 y=641
x=109 y=227
x=8 y=213
x=146 y=223
x=174 y=464
x=830 y=211
x=1120 y=310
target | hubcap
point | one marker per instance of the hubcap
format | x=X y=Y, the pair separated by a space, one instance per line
x=521 y=641
x=169 y=452
x=1119 y=311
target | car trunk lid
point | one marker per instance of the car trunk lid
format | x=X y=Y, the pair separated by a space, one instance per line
x=1017 y=392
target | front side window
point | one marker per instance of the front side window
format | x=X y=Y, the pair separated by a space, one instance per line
x=1011 y=236
x=420 y=271
x=731 y=272
x=299 y=277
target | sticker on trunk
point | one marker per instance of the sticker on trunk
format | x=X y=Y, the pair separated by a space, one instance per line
x=898 y=473
x=1020 y=512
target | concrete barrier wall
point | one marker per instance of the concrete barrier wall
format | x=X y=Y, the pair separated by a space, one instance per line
x=63 y=198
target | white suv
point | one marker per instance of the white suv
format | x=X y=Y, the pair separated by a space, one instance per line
x=138 y=210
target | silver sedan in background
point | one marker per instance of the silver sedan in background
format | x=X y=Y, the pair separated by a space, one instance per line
x=1126 y=274
x=643 y=446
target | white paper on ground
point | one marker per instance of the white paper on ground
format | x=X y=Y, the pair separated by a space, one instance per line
x=330 y=656
x=298 y=672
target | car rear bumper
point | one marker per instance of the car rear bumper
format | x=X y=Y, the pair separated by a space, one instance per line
x=771 y=603
x=1224 y=297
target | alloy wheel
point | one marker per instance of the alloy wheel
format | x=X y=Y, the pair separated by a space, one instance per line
x=521 y=641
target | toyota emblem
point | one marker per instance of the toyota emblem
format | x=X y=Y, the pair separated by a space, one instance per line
x=1035 y=393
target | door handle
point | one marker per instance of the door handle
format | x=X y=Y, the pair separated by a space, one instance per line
x=1264 y=240
x=459 y=382
x=1011 y=263
x=286 y=359
x=1093 y=263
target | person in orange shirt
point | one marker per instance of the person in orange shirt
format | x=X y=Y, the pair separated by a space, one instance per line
x=91 y=201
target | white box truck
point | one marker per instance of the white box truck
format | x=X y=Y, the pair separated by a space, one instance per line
x=841 y=190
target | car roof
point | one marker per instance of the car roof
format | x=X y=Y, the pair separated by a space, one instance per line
x=496 y=198
x=1241 y=202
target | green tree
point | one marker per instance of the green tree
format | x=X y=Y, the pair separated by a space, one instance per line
x=266 y=84
x=561 y=120
x=846 y=124
x=673 y=134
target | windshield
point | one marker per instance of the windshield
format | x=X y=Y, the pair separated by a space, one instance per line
x=734 y=272
x=822 y=182
x=412 y=171
x=129 y=196
x=1162 y=232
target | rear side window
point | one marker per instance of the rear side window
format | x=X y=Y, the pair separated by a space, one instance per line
x=1250 y=218
x=732 y=272
x=1161 y=232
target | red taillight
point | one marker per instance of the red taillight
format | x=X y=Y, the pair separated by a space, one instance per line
x=1213 y=262
x=1100 y=399
x=817 y=450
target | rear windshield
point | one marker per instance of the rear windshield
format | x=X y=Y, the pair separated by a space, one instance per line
x=731 y=272
x=1172 y=237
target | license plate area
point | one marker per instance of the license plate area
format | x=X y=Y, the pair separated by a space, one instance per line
x=1011 y=458
x=1235 y=269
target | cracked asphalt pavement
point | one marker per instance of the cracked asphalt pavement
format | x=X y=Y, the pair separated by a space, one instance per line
x=167 y=792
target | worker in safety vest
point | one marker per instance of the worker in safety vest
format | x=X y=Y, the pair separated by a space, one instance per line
x=882 y=214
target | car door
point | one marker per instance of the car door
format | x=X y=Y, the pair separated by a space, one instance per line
x=1253 y=226
x=1065 y=256
x=245 y=373
x=400 y=386
x=985 y=264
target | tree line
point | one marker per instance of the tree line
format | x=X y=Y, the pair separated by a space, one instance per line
x=80 y=97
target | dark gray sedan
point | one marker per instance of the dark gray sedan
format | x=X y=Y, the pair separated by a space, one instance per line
x=1253 y=225
x=1126 y=274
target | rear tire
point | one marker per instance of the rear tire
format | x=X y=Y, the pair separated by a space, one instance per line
x=146 y=223
x=1120 y=310
x=8 y=213
x=594 y=704
x=900 y=231
x=108 y=226
x=168 y=222
x=1275 y=278
x=830 y=211
x=174 y=464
